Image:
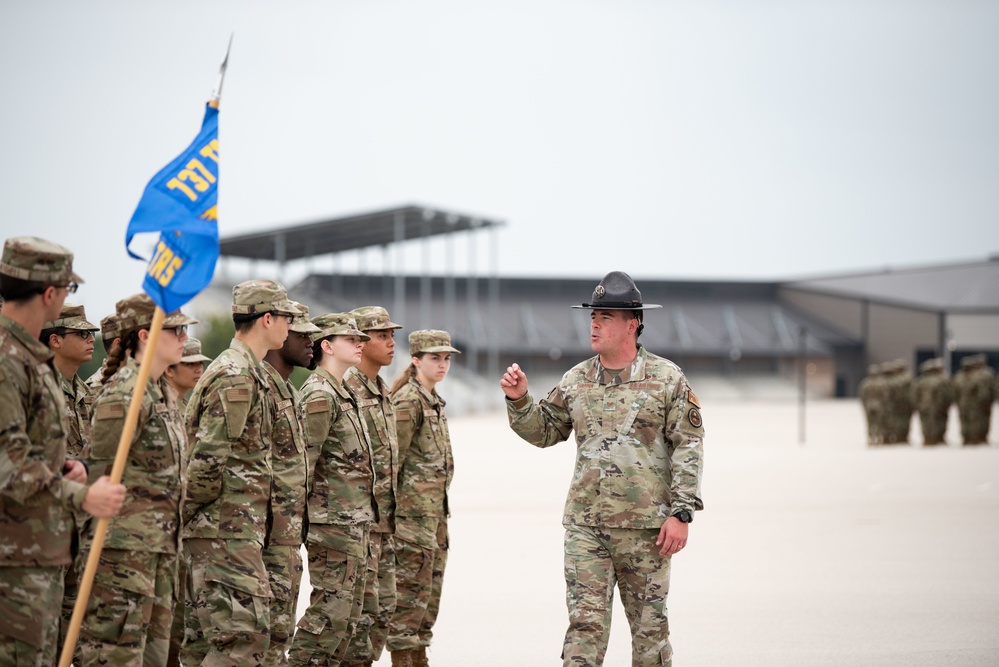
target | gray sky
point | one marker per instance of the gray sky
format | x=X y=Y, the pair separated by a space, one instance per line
x=701 y=139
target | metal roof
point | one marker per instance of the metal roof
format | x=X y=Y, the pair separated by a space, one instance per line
x=970 y=287
x=533 y=314
x=350 y=233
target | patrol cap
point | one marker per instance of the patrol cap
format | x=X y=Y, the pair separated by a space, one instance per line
x=71 y=317
x=302 y=323
x=373 y=318
x=255 y=297
x=192 y=352
x=37 y=260
x=110 y=328
x=337 y=324
x=430 y=340
x=136 y=312
x=617 y=291
x=933 y=364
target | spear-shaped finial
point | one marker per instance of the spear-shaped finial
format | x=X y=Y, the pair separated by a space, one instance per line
x=217 y=93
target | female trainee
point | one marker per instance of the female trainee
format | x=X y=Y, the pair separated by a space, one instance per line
x=339 y=507
x=425 y=470
x=131 y=605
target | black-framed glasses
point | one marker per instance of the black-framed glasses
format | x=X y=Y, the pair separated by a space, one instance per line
x=70 y=287
x=178 y=331
x=85 y=335
x=288 y=318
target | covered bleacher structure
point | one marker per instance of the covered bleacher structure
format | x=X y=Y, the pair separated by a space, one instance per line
x=722 y=329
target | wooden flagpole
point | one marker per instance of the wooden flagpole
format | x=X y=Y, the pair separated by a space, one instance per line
x=121 y=457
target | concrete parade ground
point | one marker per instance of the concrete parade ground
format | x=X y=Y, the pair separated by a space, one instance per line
x=827 y=553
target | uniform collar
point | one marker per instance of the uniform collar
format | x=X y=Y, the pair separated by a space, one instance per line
x=37 y=349
x=635 y=372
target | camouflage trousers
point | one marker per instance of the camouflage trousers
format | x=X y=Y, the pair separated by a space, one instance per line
x=974 y=423
x=71 y=587
x=421 y=548
x=226 y=607
x=130 y=610
x=338 y=557
x=177 y=628
x=596 y=558
x=379 y=601
x=933 y=426
x=30 y=601
x=284 y=571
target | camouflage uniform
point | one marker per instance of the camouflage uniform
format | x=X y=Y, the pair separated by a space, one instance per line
x=379 y=417
x=873 y=392
x=131 y=605
x=900 y=408
x=286 y=512
x=229 y=421
x=192 y=354
x=639 y=460
x=341 y=509
x=974 y=385
x=36 y=502
x=932 y=394
x=79 y=399
x=426 y=467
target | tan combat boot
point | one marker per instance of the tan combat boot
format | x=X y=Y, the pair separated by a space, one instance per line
x=403 y=658
x=420 y=657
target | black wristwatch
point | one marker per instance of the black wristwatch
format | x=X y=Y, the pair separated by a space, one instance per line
x=684 y=516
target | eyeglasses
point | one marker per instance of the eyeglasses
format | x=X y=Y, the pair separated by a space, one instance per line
x=85 y=335
x=178 y=331
x=70 y=287
x=288 y=318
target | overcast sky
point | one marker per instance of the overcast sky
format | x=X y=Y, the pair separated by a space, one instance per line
x=700 y=139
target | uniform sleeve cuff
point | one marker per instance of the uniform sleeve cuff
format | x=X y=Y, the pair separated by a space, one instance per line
x=521 y=402
x=74 y=494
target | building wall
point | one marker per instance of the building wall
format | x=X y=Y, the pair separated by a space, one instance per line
x=974 y=331
x=846 y=314
x=896 y=333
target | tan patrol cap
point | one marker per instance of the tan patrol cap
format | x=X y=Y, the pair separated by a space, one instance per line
x=37 y=260
x=136 y=312
x=192 y=352
x=302 y=324
x=373 y=318
x=430 y=340
x=110 y=328
x=337 y=324
x=71 y=317
x=254 y=297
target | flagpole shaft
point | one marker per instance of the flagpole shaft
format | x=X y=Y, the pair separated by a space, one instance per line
x=117 y=470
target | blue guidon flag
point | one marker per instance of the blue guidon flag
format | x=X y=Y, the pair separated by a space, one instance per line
x=180 y=203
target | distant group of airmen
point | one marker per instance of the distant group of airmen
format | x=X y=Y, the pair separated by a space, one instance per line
x=890 y=395
x=230 y=471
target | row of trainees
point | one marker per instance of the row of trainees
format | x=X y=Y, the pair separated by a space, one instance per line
x=201 y=563
x=890 y=395
x=218 y=498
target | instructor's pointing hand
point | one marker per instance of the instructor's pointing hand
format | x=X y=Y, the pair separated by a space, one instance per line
x=514 y=383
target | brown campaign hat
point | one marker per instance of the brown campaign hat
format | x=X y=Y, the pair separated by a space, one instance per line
x=192 y=352
x=254 y=297
x=136 y=312
x=71 y=317
x=337 y=324
x=430 y=340
x=617 y=291
x=373 y=318
x=302 y=324
x=37 y=260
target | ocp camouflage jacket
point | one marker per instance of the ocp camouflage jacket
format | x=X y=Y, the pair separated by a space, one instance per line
x=639 y=444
